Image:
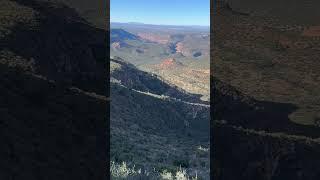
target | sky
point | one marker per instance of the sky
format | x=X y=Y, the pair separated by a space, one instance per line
x=161 y=12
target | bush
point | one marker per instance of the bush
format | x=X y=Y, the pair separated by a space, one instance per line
x=181 y=163
x=124 y=172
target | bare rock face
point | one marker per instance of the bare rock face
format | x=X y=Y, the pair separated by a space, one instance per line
x=119 y=45
x=179 y=48
x=170 y=63
x=116 y=45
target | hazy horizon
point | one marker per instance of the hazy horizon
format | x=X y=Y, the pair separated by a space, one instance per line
x=141 y=23
x=163 y=12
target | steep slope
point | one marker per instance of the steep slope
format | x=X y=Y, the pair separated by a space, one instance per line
x=242 y=110
x=94 y=12
x=47 y=129
x=56 y=53
x=133 y=78
x=265 y=92
x=185 y=76
x=152 y=127
x=259 y=136
x=269 y=61
x=120 y=35
x=53 y=93
x=261 y=155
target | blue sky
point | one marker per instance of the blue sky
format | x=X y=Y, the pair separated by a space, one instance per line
x=164 y=12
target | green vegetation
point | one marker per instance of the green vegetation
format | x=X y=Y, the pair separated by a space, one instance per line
x=165 y=137
x=158 y=120
x=124 y=172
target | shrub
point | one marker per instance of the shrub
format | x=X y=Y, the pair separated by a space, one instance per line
x=165 y=175
x=124 y=172
x=181 y=162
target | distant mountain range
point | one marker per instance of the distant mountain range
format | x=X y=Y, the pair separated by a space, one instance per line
x=157 y=26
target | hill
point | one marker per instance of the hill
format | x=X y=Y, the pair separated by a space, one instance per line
x=179 y=57
x=119 y=35
x=264 y=87
x=56 y=53
x=94 y=12
x=269 y=62
x=174 y=118
x=259 y=136
x=294 y=12
x=53 y=89
x=263 y=155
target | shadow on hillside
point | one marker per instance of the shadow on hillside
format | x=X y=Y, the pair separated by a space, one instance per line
x=48 y=130
x=63 y=45
x=245 y=155
x=137 y=79
x=163 y=116
x=240 y=110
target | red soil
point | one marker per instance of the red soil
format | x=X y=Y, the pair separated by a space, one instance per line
x=313 y=31
x=154 y=38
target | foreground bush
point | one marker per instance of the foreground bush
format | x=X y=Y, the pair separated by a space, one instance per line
x=123 y=171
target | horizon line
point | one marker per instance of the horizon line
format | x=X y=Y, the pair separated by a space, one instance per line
x=140 y=23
